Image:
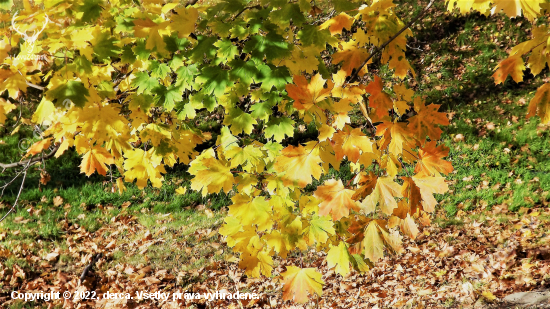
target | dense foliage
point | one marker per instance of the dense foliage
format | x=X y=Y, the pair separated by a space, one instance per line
x=126 y=82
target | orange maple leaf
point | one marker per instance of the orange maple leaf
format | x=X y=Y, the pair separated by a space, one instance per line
x=351 y=143
x=378 y=99
x=96 y=159
x=335 y=199
x=431 y=160
x=541 y=103
x=38 y=147
x=352 y=56
x=513 y=65
x=306 y=94
x=298 y=282
x=425 y=123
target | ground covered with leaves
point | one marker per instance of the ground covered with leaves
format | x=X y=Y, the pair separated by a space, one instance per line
x=461 y=262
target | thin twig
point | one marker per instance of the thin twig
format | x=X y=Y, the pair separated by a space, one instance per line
x=30 y=161
x=246 y=8
x=353 y=77
x=18 y=194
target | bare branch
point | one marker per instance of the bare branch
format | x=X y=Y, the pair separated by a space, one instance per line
x=18 y=194
x=29 y=161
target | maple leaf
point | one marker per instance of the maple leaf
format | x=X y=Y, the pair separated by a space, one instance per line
x=318 y=229
x=339 y=258
x=540 y=104
x=299 y=164
x=38 y=147
x=211 y=174
x=239 y=121
x=306 y=94
x=5 y=108
x=395 y=136
x=378 y=99
x=336 y=24
x=298 y=282
x=430 y=160
x=184 y=21
x=336 y=200
x=428 y=186
x=373 y=237
x=96 y=159
x=408 y=227
x=424 y=124
x=351 y=143
x=385 y=192
x=352 y=56
x=252 y=211
x=513 y=8
x=513 y=66
x=143 y=165
x=13 y=82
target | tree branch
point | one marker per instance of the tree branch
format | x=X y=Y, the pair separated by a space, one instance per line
x=18 y=194
x=88 y=268
x=5 y=166
x=353 y=77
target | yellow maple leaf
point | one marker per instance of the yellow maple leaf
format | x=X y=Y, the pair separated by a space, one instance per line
x=211 y=174
x=540 y=104
x=299 y=164
x=143 y=165
x=384 y=193
x=351 y=143
x=335 y=199
x=298 y=282
x=184 y=21
x=336 y=24
x=5 y=108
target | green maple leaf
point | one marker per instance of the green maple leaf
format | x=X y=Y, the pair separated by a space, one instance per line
x=158 y=69
x=345 y=5
x=167 y=96
x=226 y=50
x=319 y=228
x=140 y=51
x=187 y=112
x=143 y=101
x=72 y=90
x=271 y=76
x=81 y=65
x=243 y=70
x=6 y=4
x=239 y=121
x=144 y=82
x=203 y=100
x=287 y=13
x=128 y=56
x=262 y=110
x=92 y=10
x=105 y=90
x=271 y=46
x=174 y=43
x=203 y=48
x=104 y=45
x=311 y=35
x=186 y=76
x=279 y=127
x=214 y=80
